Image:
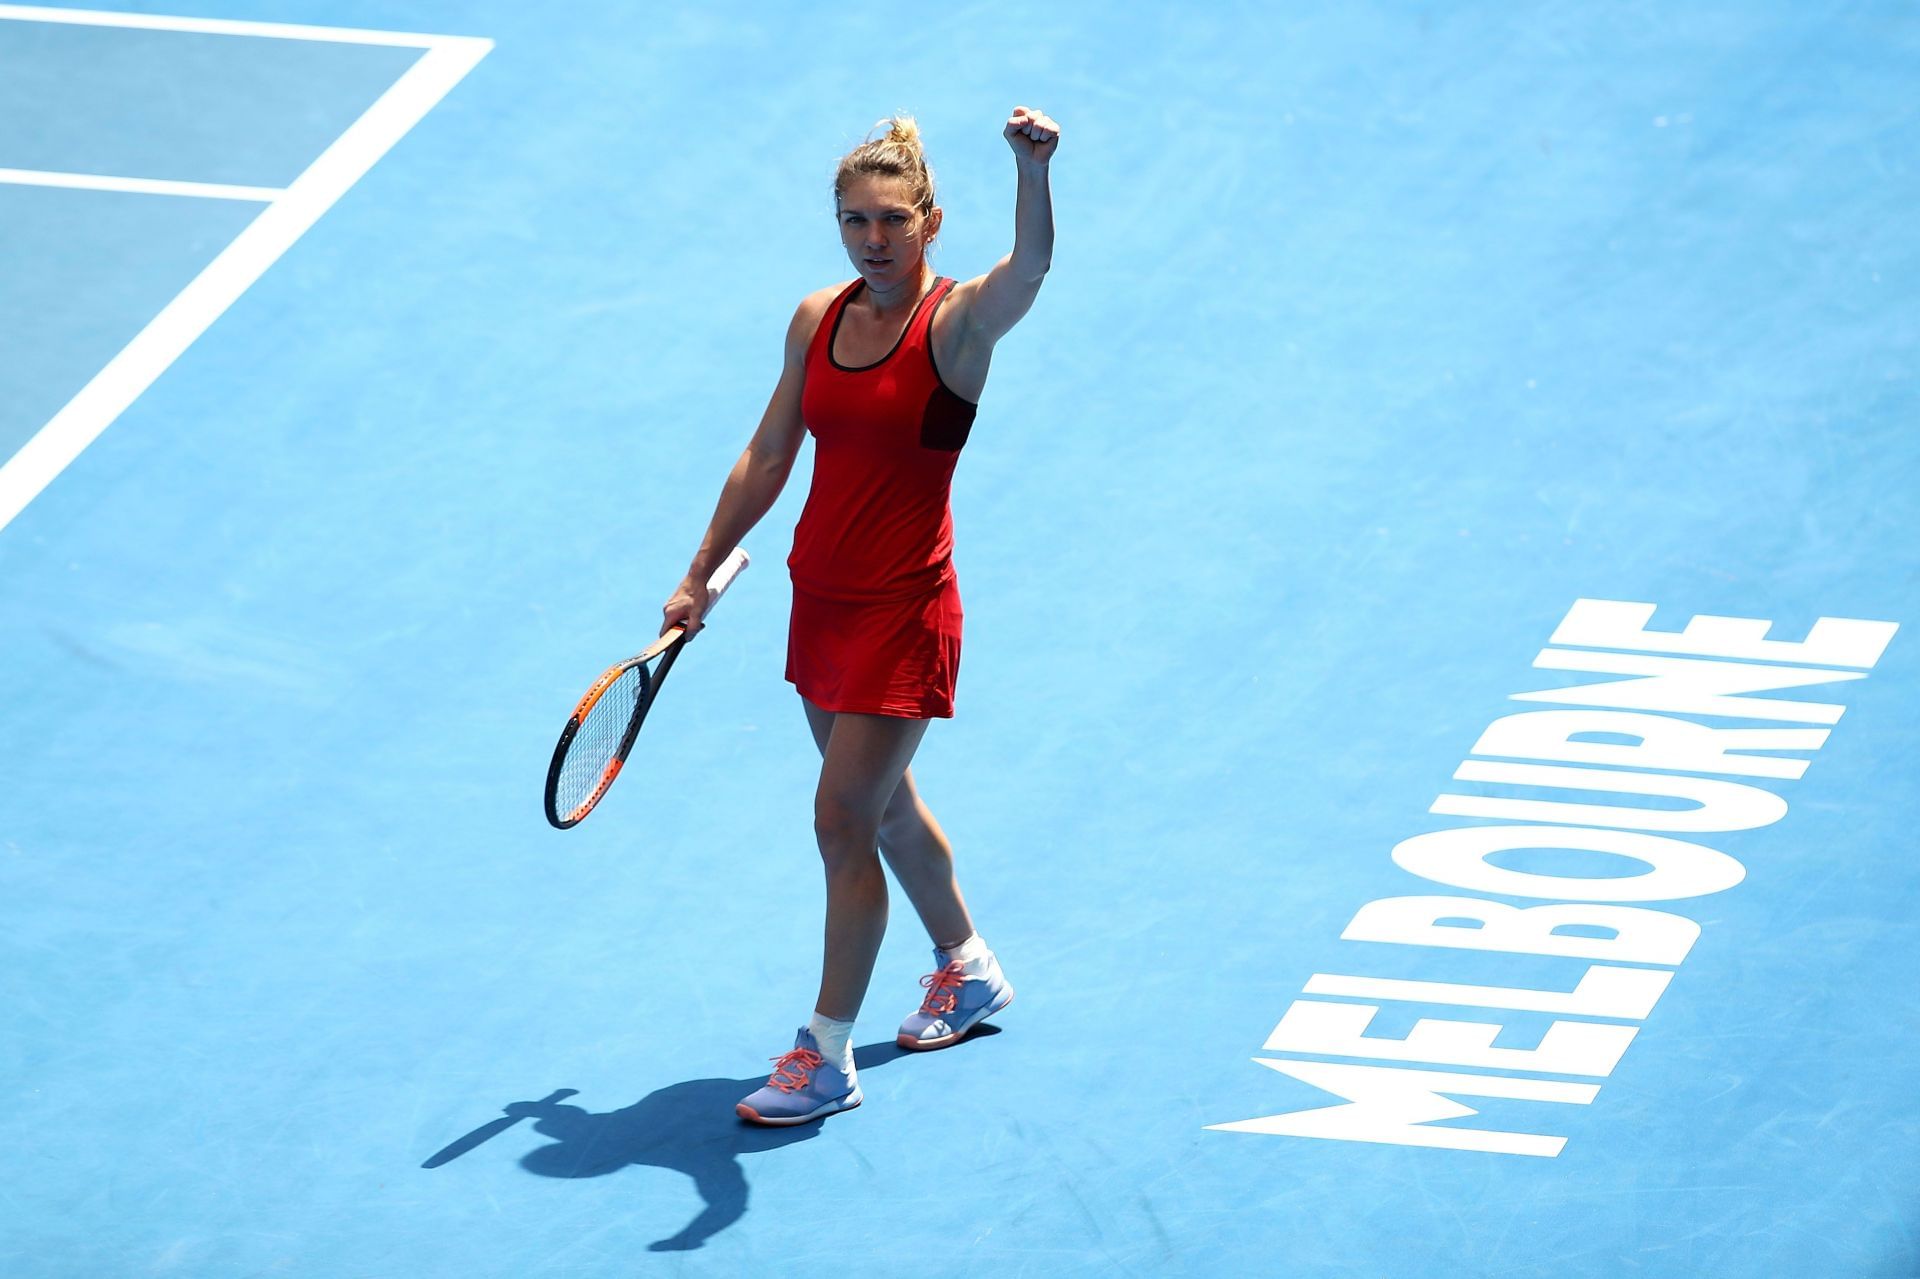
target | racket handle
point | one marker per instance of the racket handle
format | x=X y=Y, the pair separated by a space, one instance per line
x=716 y=587
x=723 y=577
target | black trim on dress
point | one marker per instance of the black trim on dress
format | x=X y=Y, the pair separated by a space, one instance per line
x=841 y=313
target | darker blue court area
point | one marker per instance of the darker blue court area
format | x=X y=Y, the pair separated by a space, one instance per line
x=1375 y=338
x=81 y=272
x=194 y=106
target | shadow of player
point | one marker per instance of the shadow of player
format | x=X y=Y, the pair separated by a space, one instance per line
x=688 y=1127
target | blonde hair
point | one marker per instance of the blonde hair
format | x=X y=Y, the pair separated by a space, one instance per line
x=897 y=155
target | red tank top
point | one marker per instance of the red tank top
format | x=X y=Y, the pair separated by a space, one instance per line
x=877 y=524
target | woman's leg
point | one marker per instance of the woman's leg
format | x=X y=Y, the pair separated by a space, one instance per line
x=916 y=848
x=922 y=860
x=862 y=763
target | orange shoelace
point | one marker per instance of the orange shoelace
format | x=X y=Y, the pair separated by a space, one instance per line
x=941 y=987
x=791 y=1071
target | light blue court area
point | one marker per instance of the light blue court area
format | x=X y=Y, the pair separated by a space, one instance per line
x=1343 y=530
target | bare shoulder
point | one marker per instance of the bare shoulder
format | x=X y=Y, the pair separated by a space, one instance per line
x=953 y=327
x=807 y=317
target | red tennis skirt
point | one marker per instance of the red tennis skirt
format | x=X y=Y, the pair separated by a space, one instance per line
x=895 y=657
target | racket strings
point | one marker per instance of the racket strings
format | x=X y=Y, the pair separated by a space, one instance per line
x=597 y=742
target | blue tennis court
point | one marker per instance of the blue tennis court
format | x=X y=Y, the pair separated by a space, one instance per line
x=1435 y=742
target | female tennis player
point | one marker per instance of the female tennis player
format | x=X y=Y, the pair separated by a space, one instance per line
x=885 y=371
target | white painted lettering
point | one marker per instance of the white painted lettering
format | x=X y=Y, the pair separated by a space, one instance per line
x=1832 y=641
x=1639 y=935
x=1665 y=742
x=1604 y=991
x=1676 y=867
x=1719 y=806
x=1338 y=1030
x=1391 y=1105
x=1631 y=727
x=1689 y=685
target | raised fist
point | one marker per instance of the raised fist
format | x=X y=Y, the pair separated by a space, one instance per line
x=1032 y=134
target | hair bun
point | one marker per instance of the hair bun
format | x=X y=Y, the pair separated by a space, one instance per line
x=900 y=130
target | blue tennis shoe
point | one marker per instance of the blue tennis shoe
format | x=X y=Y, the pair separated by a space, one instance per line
x=802 y=1088
x=955 y=1003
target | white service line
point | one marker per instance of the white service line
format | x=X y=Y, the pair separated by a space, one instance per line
x=137 y=186
x=285 y=219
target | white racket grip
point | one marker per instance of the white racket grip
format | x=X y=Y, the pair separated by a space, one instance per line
x=722 y=578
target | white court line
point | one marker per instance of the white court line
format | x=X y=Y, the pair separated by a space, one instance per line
x=137 y=186
x=285 y=219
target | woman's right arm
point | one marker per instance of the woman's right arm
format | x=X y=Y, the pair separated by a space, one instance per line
x=760 y=473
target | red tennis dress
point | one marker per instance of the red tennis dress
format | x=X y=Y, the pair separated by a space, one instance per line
x=876 y=606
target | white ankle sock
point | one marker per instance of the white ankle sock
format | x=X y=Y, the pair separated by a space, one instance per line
x=973 y=955
x=836 y=1042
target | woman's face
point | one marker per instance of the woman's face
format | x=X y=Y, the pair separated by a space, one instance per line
x=884 y=235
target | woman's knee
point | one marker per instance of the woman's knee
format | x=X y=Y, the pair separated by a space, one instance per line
x=843 y=827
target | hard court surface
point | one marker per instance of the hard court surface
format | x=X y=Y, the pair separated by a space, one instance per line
x=1376 y=337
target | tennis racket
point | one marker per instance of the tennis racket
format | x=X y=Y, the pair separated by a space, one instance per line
x=594 y=744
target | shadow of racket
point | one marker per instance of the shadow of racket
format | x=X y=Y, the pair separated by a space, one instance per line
x=485 y=1132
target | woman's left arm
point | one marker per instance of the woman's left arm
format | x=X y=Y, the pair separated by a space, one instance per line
x=1000 y=297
